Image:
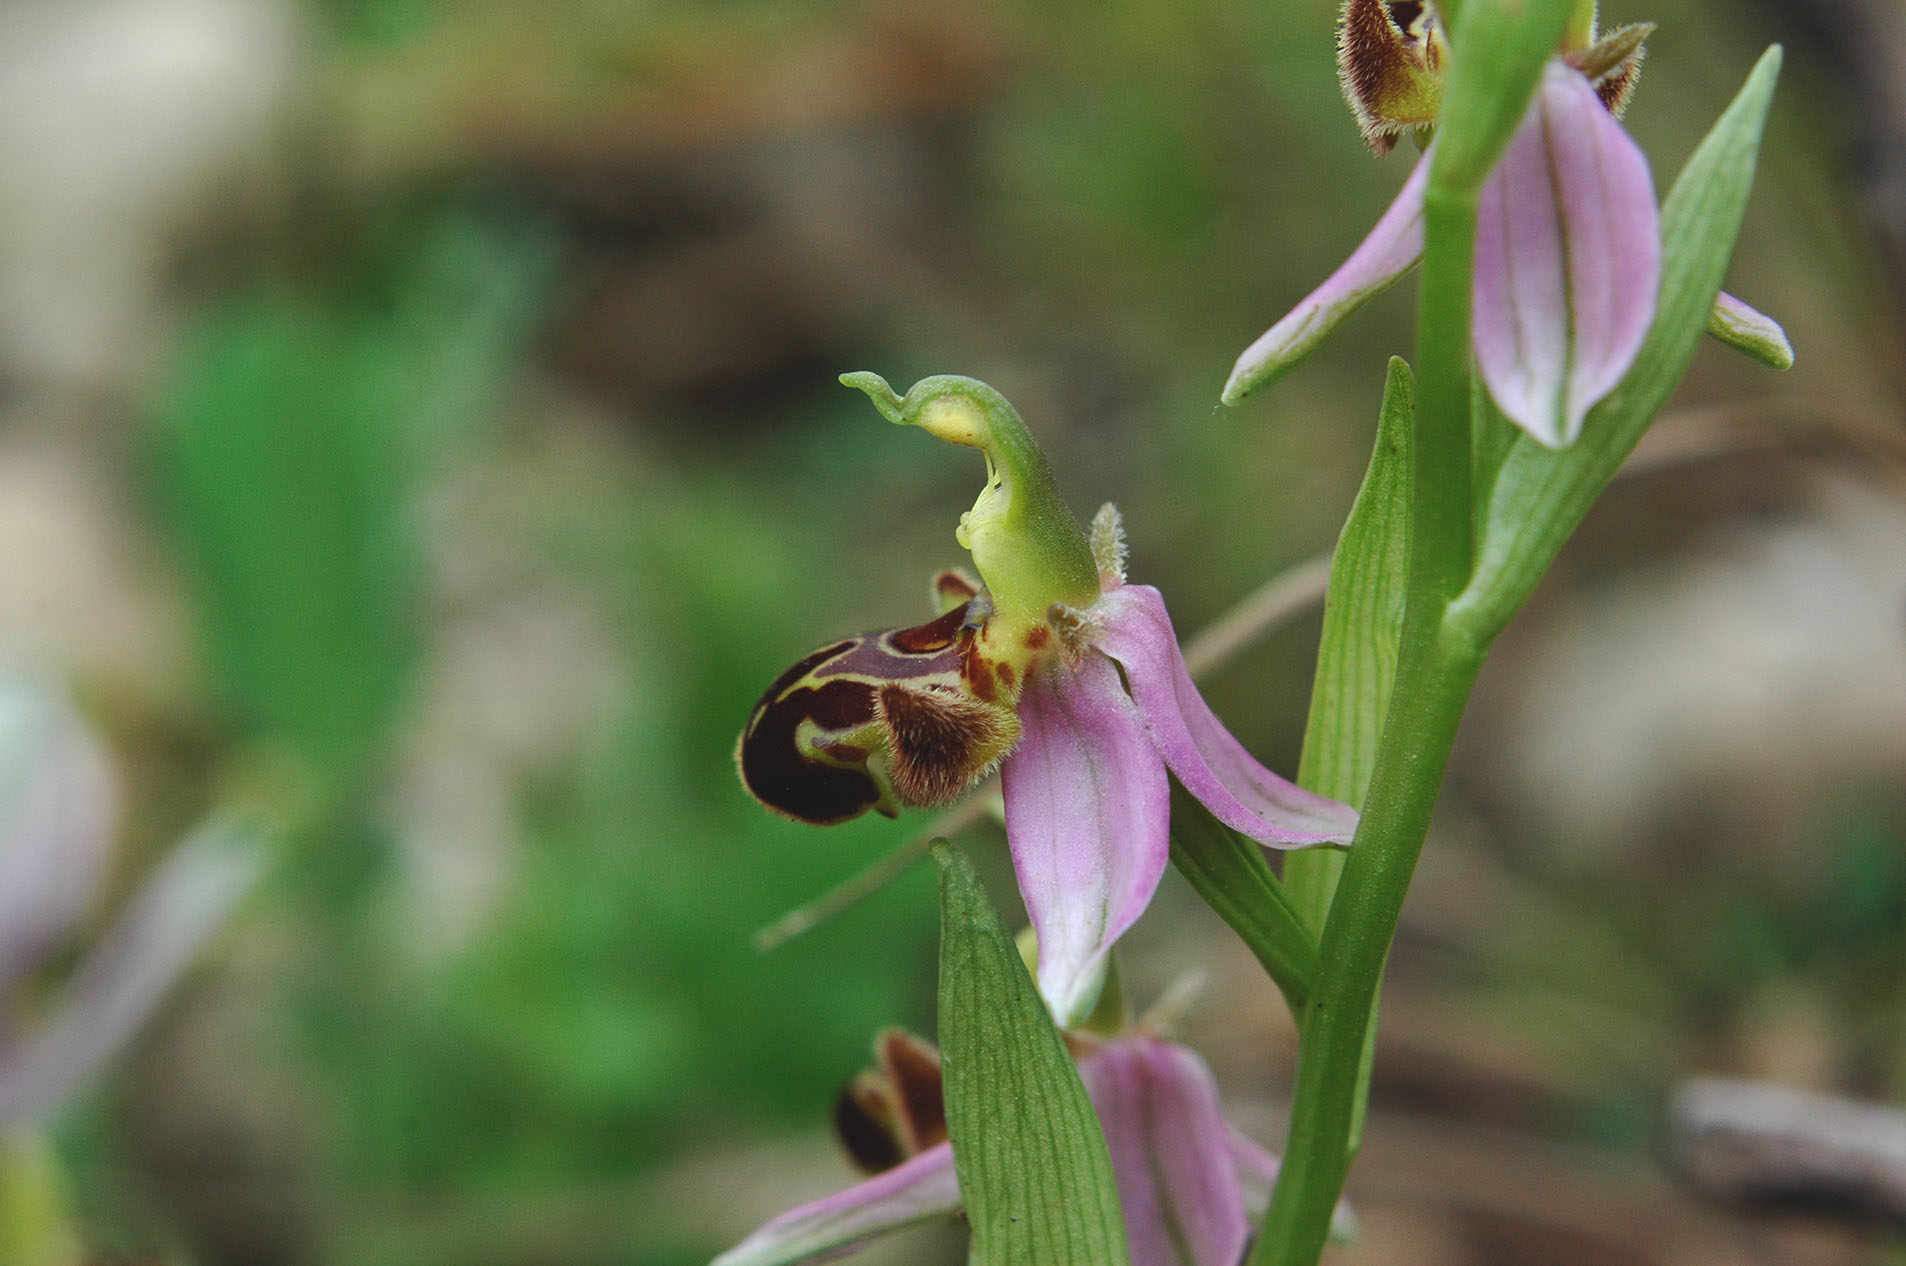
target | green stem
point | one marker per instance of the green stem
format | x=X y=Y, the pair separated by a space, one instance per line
x=1440 y=490
x=1436 y=667
x=1432 y=686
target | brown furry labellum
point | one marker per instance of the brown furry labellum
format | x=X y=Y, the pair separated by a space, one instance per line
x=898 y=717
x=1390 y=59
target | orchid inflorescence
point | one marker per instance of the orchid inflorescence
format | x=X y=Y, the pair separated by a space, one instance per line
x=1560 y=305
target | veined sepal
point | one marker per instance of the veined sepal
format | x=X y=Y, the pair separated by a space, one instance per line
x=1540 y=496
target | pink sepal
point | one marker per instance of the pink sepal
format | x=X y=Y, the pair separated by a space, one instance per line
x=1088 y=816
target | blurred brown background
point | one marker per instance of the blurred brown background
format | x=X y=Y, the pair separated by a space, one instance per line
x=437 y=399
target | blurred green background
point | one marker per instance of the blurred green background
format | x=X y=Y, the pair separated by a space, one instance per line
x=420 y=417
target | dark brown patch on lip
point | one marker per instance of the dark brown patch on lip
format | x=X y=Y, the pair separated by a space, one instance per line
x=1006 y=675
x=940 y=734
x=778 y=775
x=1616 y=88
x=935 y=635
x=841 y=704
x=913 y=1070
x=978 y=672
x=863 y=1121
x=1369 y=42
x=1037 y=637
x=1374 y=46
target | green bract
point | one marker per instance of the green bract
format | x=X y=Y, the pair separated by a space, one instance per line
x=1032 y=1162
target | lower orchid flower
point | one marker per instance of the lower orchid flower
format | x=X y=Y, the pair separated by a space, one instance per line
x=1059 y=672
x=1568 y=242
x=1189 y=1183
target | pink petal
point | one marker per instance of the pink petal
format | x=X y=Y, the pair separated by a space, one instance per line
x=1568 y=259
x=1391 y=249
x=1088 y=819
x=1257 y=1171
x=1171 y=1154
x=914 y=1191
x=1257 y=1175
x=1211 y=764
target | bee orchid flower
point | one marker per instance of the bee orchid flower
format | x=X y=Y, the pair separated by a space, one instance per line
x=1054 y=669
x=1189 y=1183
x=1568 y=242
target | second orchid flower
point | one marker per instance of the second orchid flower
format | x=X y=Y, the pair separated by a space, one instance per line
x=1568 y=243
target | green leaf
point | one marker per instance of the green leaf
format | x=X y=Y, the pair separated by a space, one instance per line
x=1541 y=496
x=1356 y=659
x=1230 y=873
x=1356 y=663
x=293 y=438
x=290 y=495
x=1033 y=1167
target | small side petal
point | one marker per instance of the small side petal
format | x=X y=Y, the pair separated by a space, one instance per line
x=1212 y=765
x=1391 y=249
x=918 y=1190
x=1088 y=817
x=1750 y=332
x=1257 y=1175
x=1171 y=1154
x=1257 y=1171
x=1568 y=260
